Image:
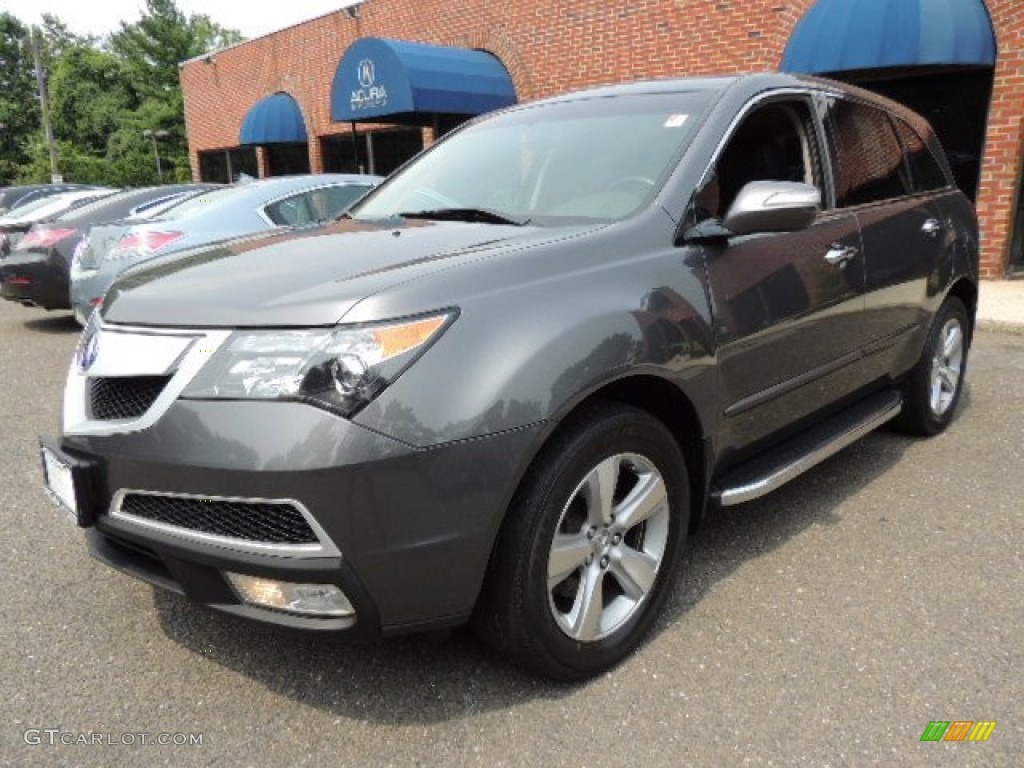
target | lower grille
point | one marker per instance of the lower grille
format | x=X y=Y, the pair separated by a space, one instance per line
x=264 y=522
x=124 y=397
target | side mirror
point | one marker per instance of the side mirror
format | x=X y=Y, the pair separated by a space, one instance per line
x=773 y=206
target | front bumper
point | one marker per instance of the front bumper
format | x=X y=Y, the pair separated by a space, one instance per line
x=37 y=279
x=412 y=528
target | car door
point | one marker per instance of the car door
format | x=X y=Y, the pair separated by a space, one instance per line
x=883 y=177
x=786 y=305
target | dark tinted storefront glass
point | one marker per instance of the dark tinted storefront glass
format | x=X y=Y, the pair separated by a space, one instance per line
x=243 y=162
x=287 y=159
x=392 y=148
x=378 y=152
x=226 y=166
x=213 y=166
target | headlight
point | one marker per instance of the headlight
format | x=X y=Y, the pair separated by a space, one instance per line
x=340 y=369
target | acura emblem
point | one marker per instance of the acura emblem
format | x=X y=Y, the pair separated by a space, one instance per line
x=366 y=73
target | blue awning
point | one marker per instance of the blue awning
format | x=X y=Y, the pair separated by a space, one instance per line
x=404 y=82
x=844 y=35
x=274 y=119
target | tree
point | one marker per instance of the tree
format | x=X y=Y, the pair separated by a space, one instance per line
x=58 y=38
x=90 y=92
x=103 y=96
x=19 y=109
x=164 y=37
x=151 y=50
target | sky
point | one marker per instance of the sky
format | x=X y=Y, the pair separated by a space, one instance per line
x=251 y=17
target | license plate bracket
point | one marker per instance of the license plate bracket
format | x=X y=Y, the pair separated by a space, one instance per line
x=68 y=481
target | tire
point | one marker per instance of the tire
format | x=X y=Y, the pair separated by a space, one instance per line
x=932 y=391
x=609 y=574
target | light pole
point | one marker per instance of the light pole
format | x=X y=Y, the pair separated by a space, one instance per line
x=44 y=107
x=154 y=135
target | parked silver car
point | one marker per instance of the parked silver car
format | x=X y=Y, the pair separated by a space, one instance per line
x=14 y=224
x=226 y=213
x=36 y=273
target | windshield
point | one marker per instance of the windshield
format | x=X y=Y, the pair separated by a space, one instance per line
x=598 y=158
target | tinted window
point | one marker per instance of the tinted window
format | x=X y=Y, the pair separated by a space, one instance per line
x=869 y=163
x=925 y=170
x=290 y=211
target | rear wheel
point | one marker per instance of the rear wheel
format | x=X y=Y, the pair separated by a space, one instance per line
x=932 y=392
x=591 y=546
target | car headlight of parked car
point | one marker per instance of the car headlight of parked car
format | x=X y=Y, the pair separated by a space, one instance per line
x=340 y=369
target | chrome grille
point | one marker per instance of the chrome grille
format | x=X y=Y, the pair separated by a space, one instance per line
x=124 y=397
x=271 y=523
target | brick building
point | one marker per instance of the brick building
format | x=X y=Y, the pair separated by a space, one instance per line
x=960 y=62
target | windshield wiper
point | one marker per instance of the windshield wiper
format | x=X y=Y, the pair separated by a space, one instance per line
x=482 y=215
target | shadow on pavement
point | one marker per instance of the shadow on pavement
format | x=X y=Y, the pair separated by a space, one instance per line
x=422 y=680
x=56 y=324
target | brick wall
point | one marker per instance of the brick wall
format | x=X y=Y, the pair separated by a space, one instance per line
x=1001 y=167
x=550 y=46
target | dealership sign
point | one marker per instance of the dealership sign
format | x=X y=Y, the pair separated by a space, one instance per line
x=389 y=78
x=369 y=95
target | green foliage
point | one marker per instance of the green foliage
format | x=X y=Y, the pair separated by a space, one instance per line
x=57 y=38
x=153 y=47
x=19 y=110
x=90 y=92
x=103 y=96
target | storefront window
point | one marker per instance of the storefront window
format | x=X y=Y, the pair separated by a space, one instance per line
x=287 y=159
x=378 y=152
x=228 y=165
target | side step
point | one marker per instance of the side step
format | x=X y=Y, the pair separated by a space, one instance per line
x=765 y=473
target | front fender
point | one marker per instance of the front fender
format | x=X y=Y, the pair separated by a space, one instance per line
x=527 y=354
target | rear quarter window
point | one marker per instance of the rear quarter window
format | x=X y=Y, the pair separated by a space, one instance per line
x=925 y=171
x=291 y=211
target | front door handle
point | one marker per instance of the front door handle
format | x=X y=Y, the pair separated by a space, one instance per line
x=839 y=255
x=931 y=228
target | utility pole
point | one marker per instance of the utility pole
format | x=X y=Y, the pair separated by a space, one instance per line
x=44 y=107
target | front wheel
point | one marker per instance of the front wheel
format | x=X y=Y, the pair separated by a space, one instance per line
x=933 y=389
x=591 y=546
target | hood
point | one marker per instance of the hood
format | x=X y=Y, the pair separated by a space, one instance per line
x=302 y=278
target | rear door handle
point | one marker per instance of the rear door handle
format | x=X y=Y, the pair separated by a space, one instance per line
x=839 y=255
x=932 y=227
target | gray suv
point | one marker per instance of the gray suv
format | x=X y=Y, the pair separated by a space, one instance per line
x=506 y=387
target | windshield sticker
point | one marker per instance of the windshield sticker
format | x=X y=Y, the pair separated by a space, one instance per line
x=675 y=121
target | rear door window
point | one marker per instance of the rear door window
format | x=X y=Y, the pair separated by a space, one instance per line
x=869 y=163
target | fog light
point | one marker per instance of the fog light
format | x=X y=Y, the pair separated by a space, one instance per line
x=307 y=599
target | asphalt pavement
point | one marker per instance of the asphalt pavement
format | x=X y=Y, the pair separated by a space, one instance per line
x=826 y=625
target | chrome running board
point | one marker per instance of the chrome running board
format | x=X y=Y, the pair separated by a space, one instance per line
x=768 y=472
